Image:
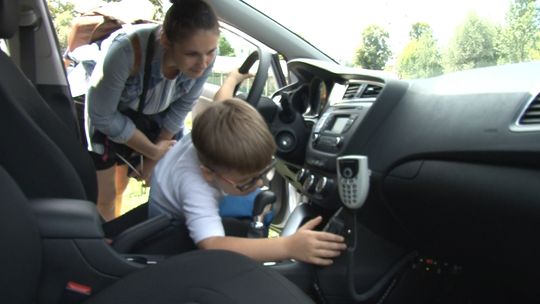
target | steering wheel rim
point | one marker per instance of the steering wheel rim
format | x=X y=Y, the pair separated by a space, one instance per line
x=256 y=90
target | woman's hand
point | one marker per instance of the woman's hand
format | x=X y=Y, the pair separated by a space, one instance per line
x=155 y=151
x=145 y=169
x=162 y=146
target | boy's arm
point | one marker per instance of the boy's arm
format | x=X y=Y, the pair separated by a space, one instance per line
x=226 y=90
x=305 y=245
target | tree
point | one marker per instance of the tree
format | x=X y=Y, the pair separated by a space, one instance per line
x=517 y=41
x=158 y=9
x=418 y=29
x=374 y=51
x=421 y=57
x=225 y=48
x=472 y=45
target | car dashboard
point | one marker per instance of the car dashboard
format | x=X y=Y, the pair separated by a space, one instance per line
x=454 y=159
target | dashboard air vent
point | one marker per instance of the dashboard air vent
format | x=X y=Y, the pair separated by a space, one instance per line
x=531 y=116
x=371 y=91
x=351 y=91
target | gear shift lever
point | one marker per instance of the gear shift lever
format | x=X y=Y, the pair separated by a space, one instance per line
x=256 y=227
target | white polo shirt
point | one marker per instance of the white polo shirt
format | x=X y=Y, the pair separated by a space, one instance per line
x=178 y=187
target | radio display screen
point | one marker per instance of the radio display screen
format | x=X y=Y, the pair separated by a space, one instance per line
x=339 y=124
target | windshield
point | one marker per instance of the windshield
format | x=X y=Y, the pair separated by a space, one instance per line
x=414 y=38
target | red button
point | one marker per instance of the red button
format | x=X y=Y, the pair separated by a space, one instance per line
x=79 y=288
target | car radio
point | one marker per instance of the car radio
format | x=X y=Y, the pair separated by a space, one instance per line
x=332 y=130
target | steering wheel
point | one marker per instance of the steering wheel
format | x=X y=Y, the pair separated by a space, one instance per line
x=256 y=90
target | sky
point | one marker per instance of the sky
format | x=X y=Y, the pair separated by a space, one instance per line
x=335 y=26
x=127 y=10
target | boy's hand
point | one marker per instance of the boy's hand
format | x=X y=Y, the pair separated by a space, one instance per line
x=236 y=77
x=315 y=247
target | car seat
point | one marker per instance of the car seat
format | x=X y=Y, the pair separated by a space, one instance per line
x=34 y=272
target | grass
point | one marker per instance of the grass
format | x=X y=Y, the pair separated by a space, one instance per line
x=134 y=195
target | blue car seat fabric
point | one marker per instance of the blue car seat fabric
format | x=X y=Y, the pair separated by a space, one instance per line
x=241 y=206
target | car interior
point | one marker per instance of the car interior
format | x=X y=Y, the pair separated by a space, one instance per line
x=56 y=250
x=432 y=182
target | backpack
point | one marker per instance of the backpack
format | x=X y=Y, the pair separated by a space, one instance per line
x=90 y=27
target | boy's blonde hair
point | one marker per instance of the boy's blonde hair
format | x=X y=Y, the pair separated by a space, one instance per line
x=232 y=135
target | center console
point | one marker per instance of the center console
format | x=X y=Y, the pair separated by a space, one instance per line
x=333 y=131
x=365 y=270
x=330 y=135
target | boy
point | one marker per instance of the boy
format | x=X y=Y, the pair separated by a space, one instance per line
x=230 y=150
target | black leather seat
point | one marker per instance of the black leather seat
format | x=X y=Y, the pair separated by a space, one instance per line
x=196 y=277
x=27 y=113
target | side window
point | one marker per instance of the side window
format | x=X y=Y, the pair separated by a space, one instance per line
x=3 y=46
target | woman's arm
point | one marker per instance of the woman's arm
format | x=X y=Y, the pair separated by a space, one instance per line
x=152 y=151
x=140 y=143
x=106 y=86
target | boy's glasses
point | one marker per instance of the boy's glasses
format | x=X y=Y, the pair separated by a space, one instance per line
x=266 y=175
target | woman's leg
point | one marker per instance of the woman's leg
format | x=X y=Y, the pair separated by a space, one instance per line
x=121 y=182
x=106 y=192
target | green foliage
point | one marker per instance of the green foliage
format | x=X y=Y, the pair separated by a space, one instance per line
x=374 y=51
x=472 y=46
x=420 y=29
x=518 y=40
x=62 y=13
x=421 y=57
x=225 y=48
x=535 y=52
x=159 y=14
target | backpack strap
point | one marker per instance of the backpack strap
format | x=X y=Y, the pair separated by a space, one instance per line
x=135 y=42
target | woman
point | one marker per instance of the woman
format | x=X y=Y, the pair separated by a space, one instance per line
x=151 y=80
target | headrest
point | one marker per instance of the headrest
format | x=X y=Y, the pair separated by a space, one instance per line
x=9 y=18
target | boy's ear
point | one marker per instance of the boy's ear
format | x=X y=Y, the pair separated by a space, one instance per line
x=207 y=174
